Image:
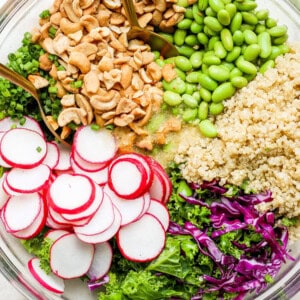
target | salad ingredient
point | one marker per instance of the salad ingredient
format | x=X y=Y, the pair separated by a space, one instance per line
x=137 y=246
x=48 y=281
x=52 y=157
x=69 y=257
x=258 y=139
x=158 y=210
x=55 y=234
x=101 y=262
x=24 y=148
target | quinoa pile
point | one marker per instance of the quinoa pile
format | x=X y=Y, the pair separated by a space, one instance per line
x=258 y=140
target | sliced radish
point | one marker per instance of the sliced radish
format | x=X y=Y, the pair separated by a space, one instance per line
x=2 y=162
x=7 y=189
x=63 y=158
x=3 y=195
x=71 y=193
x=127 y=178
x=101 y=220
x=94 y=146
x=54 y=234
x=51 y=223
x=147 y=201
x=130 y=210
x=21 y=211
x=142 y=240
x=8 y=123
x=23 y=148
x=101 y=262
x=106 y=234
x=160 y=211
x=158 y=187
x=48 y=281
x=85 y=165
x=98 y=176
x=91 y=210
x=52 y=156
x=70 y=257
x=28 y=180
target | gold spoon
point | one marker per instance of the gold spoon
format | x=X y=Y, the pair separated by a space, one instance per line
x=156 y=41
x=22 y=82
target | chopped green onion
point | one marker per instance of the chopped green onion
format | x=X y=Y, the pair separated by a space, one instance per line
x=95 y=127
x=52 y=89
x=52 y=31
x=45 y=14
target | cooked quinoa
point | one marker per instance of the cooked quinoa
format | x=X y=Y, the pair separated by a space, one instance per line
x=258 y=140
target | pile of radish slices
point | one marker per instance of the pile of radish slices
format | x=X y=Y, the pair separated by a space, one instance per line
x=85 y=195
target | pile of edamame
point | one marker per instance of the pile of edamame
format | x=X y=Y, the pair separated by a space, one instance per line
x=222 y=45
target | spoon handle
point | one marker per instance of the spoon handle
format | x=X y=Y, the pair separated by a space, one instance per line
x=130 y=12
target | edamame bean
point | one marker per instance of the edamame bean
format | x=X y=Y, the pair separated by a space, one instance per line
x=246 y=5
x=234 y=54
x=185 y=24
x=205 y=94
x=210 y=12
x=264 y=41
x=239 y=81
x=202 y=38
x=196 y=59
x=189 y=13
x=170 y=60
x=171 y=98
x=280 y=40
x=190 y=114
x=202 y=4
x=204 y=69
x=276 y=51
x=231 y=9
x=191 y=40
x=193 y=77
x=177 y=85
x=236 y=72
x=184 y=189
x=208 y=129
x=284 y=48
x=213 y=23
x=190 y=88
x=218 y=73
x=180 y=74
x=249 y=18
x=219 y=49
x=270 y=22
x=216 y=108
x=267 y=65
x=196 y=28
x=262 y=14
x=222 y=92
x=182 y=3
x=186 y=50
x=226 y=38
x=277 y=31
x=167 y=36
x=259 y=28
x=238 y=37
x=156 y=55
x=246 y=66
x=211 y=60
x=224 y=17
x=228 y=66
x=197 y=15
x=203 y=110
x=250 y=37
x=179 y=36
x=189 y=101
x=197 y=96
x=251 y=52
x=183 y=63
x=216 y=5
x=236 y=22
x=209 y=32
x=160 y=62
x=212 y=41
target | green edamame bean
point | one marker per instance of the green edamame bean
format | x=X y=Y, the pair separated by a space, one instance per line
x=211 y=60
x=189 y=101
x=228 y=66
x=170 y=60
x=226 y=1
x=226 y=38
x=267 y=65
x=202 y=4
x=216 y=5
x=219 y=49
x=197 y=15
x=185 y=24
x=224 y=17
x=231 y=9
x=196 y=28
x=189 y=13
x=191 y=40
x=270 y=22
x=259 y=28
x=190 y=88
x=186 y=50
x=284 y=48
x=180 y=74
x=249 y=77
x=203 y=110
x=238 y=37
x=249 y=18
x=160 y=62
x=251 y=52
x=202 y=38
x=208 y=31
x=210 y=12
x=205 y=94
x=171 y=98
x=193 y=77
x=182 y=3
x=262 y=14
x=190 y=114
x=184 y=189
x=156 y=55
x=208 y=129
x=213 y=23
x=233 y=54
x=167 y=36
x=250 y=37
x=264 y=41
x=216 y=108
x=280 y=40
x=166 y=85
x=276 y=51
x=196 y=59
x=177 y=85
x=204 y=69
x=246 y=5
x=183 y=63
x=236 y=72
x=246 y=66
x=239 y=81
x=212 y=41
x=197 y=96
x=218 y=73
x=236 y=22
x=222 y=92
x=277 y=31
x=179 y=36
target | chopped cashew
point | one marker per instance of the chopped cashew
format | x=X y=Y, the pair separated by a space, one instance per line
x=39 y=82
x=79 y=60
x=91 y=82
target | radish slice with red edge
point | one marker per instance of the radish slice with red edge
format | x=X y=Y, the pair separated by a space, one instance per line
x=49 y=281
x=158 y=187
x=64 y=153
x=7 y=189
x=147 y=200
x=21 y=211
x=3 y=195
x=94 y=146
x=51 y=223
x=127 y=178
x=85 y=165
x=160 y=211
x=52 y=156
x=142 y=240
x=71 y=193
x=101 y=262
x=70 y=257
x=23 y=148
x=54 y=234
x=2 y=162
x=28 y=180
x=101 y=220
x=104 y=235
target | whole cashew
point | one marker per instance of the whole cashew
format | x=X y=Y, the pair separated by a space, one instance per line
x=80 y=61
x=103 y=106
x=68 y=27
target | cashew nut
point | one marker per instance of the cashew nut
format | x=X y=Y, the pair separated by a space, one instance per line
x=68 y=27
x=84 y=104
x=77 y=8
x=79 y=60
x=125 y=106
x=126 y=76
x=89 y=22
x=123 y=120
x=68 y=115
x=68 y=8
x=91 y=82
x=68 y=100
x=103 y=106
x=60 y=43
x=112 y=4
x=39 y=82
x=86 y=3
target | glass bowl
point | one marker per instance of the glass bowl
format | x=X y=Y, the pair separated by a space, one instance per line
x=19 y=16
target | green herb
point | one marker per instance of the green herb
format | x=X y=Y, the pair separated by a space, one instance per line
x=269 y=278
x=95 y=127
x=288 y=222
x=39 y=149
x=45 y=14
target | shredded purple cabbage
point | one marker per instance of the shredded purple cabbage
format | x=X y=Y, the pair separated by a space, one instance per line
x=94 y=284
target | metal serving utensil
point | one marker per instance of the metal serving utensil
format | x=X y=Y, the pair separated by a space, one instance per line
x=156 y=41
x=25 y=84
